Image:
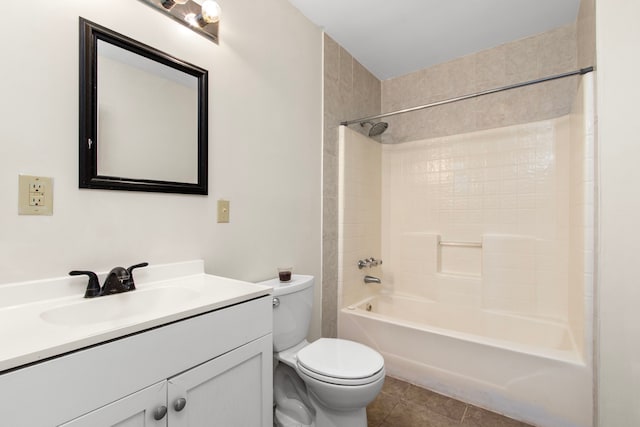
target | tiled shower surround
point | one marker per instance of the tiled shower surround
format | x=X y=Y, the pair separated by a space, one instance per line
x=350 y=91
x=506 y=188
x=521 y=197
x=519 y=191
x=523 y=192
x=511 y=171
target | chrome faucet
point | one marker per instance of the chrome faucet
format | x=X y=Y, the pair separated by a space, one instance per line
x=371 y=279
x=118 y=280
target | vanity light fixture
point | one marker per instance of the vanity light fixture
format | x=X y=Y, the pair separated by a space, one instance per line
x=202 y=16
x=168 y=4
x=209 y=14
x=211 y=11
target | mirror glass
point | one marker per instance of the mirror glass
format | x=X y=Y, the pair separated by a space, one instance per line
x=143 y=117
x=132 y=90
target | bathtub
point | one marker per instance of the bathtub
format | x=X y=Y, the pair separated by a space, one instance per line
x=525 y=368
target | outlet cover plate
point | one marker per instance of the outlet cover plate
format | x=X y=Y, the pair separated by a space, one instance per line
x=35 y=195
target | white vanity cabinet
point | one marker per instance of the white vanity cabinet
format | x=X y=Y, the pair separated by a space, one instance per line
x=226 y=391
x=136 y=410
x=219 y=362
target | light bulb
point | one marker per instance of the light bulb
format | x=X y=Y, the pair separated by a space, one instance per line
x=191 y=19
x=210 y=11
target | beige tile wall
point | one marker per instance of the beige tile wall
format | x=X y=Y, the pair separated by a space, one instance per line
x=586 y=36
x=349 y=91
x=534 y=57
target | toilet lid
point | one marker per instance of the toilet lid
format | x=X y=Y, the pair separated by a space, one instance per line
x=340 y=359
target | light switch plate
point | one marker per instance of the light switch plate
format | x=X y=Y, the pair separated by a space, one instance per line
x=223 y=210
x=35 y=195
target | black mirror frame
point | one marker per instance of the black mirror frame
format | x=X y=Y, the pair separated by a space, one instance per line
x=90 y=33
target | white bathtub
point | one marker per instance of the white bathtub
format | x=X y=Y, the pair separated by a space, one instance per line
x=525 y=368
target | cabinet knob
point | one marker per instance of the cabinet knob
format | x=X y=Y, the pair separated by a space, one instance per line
x=159 y=413
x=179 y=404
x=276 y=302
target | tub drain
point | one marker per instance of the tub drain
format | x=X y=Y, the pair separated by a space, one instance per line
x=368 y=307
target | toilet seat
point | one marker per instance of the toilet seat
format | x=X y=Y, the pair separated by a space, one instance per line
x=302 y=371
x=341 y=362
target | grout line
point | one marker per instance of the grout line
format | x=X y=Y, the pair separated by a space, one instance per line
x=464 y=414
x=405 y=391
x=389 y=413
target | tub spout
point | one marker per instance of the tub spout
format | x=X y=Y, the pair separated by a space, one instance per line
x=371 y=279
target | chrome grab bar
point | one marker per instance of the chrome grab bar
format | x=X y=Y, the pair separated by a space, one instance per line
x=461 y=244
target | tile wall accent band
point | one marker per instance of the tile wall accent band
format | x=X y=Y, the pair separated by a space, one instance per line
x=473 y=95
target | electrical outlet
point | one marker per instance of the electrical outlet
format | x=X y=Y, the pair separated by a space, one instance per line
x=35 y=195
x=36 y=199
x=36 y=187
x=223 y=210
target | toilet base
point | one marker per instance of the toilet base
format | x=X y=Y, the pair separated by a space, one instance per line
x=328 y=418
x=282 y=420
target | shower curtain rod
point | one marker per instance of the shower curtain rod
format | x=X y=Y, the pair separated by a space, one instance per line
x=473 y=95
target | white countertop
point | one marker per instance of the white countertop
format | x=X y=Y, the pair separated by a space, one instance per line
x=35 y=326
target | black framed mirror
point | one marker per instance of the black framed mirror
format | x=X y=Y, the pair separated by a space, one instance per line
x=143 y=116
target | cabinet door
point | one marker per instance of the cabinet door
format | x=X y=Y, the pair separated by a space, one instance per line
x=232 y=390
x=135 y=410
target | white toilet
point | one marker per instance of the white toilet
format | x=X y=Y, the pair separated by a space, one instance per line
x=326 y=383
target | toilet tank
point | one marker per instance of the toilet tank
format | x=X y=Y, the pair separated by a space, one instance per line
x=292 y=312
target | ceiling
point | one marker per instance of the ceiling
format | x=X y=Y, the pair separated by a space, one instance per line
x=393 y=38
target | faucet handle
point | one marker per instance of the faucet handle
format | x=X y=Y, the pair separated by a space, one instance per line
x=129 y=281
x=93 y=286
x=374 y=262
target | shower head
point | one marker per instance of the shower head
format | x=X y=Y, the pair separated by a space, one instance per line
x=376 y=128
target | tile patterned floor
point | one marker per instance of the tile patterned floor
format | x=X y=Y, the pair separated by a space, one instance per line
x=401 y=404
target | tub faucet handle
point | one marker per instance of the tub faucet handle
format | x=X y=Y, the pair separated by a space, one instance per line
x=374 y=262
x=369 y=262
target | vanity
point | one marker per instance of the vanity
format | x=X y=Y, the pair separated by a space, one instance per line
x=184 y=349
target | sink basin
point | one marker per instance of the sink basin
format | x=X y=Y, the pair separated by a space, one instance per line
x=119 y=306
x=48 y=317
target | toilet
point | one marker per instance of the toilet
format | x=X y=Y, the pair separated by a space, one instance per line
x=326 y=383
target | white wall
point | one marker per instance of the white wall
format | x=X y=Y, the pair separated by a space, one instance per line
x=618 y=91
x=264 y=142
